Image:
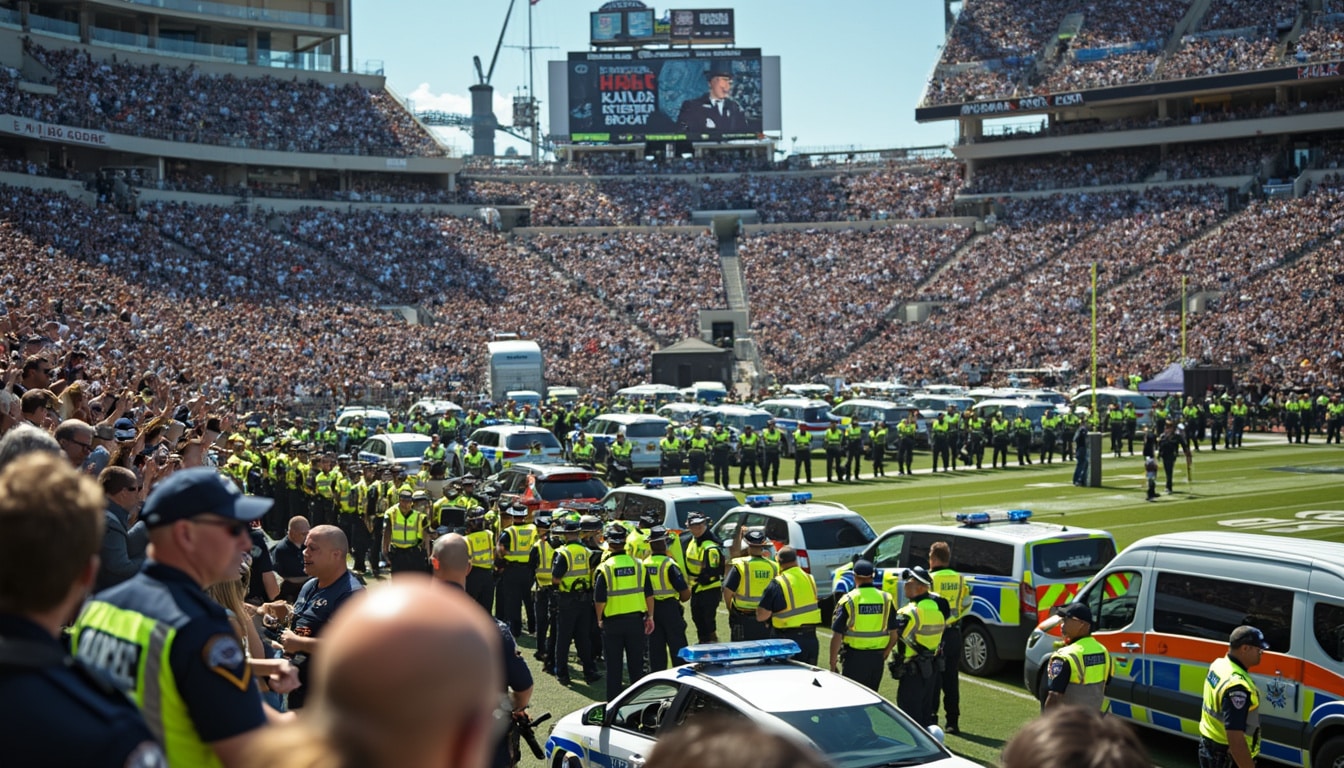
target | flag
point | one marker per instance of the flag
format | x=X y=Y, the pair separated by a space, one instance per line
x=531 y=491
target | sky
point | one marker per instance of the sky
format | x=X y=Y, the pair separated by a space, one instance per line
x=851 y=70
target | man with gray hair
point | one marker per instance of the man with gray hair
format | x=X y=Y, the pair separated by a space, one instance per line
x=26 y=438
x=76 y=439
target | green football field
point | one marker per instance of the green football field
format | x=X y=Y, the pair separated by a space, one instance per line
x=1266 y=487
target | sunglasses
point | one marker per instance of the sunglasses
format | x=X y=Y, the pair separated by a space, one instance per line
x=234 y=528
x=86 y=446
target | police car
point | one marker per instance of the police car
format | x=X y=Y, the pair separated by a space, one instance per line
x=789 y=412
x=1015 y=568
x=406 y=449
x=546 y=486
x=671 y=499
x=848 y=723
x=642 y=432
x=827 y=535
x=504 y=444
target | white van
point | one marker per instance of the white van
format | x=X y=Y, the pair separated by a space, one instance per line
x=1165 y=607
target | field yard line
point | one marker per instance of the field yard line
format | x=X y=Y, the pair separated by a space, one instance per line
x=997 y=687
x=1230 y=515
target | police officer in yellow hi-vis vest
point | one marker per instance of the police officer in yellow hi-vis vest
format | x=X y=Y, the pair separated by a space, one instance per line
x=515 y=581
x=921 y=621
x=865 y=629
x=743 y=586
x=623 y=601
x=789 y=605
x=1078 y=672
x=704 y=571
x=670 y=590
x=404 y=536
x=164 y=641
x=952 y=587
x=1229 y=723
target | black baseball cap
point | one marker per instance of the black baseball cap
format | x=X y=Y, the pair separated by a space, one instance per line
x=200 y=491
x=1075 y=610
x=1247 y=635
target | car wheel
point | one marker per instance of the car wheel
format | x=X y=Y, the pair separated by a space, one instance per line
x=1330 y=754
x=979 y=657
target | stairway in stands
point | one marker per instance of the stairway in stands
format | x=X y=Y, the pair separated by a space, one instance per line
x=735 y=289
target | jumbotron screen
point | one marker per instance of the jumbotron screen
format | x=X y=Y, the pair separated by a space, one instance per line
x=668 y=95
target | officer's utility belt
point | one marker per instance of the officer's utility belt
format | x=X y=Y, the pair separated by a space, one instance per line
x=486 y=568
x=515 y=564
x=806 y=631
x=751 y=612
x=405 y=546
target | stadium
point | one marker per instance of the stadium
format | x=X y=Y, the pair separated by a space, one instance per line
x=1189 y=155
x=214 y=202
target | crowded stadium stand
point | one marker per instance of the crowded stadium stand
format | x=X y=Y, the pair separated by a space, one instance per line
x=190 y=210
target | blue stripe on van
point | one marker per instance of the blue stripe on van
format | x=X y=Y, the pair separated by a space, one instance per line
x=1283 y=754
x=1122 y=709
x=1326 y=706
x=1165 y=675
x=1163 y=720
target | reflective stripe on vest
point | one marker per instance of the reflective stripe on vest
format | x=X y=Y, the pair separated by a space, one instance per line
x=951 y=586
x=520 y=543
x=134 y=650
x=869 y=617
x=925 y=628
x=405 y=529
x=625 y=585
x=545 y=555
x=754 y=575
x=480 y=549
x=577 y=568
x=698 y=559
x=659 y=568
x=1089 y=668
x=800 y=600
x=1223 y=674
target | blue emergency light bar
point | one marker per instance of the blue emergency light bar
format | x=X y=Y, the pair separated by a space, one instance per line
x=766 y=499
x=747 y=650
x=662 y=482
x=982 y=518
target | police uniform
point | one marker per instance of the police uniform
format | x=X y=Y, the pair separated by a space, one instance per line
x=748 y=445
x=313 y=610
x=1231 y=703
x=481 y=552
x=921 y=622
x=1079 y=671
x=572 y=575
x=747 y=579
x=669 y=619
x=61 y=713
x=720 y=454
x=624 y=594
x=802 y=452
x=864 y=619
x=515 y=581
x=204 y=692
x=952 y=587
x=704 y=570
x=833 y=440
x=795 y=614
x=406 y=537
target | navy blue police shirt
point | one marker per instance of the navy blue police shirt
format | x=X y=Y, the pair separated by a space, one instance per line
x=313 y=610
x=62 y=713
x=207 y=661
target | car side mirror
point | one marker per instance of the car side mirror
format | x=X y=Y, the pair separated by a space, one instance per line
x=596 y=715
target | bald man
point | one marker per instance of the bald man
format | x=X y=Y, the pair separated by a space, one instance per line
x=330 y=585
x=451 y=561
x=399 y=683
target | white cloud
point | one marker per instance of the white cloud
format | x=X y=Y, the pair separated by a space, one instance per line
x=422 y=99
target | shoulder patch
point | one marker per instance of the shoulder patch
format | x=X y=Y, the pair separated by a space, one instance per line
x=1237 y=699
x=1056 y=667
x=224 y=656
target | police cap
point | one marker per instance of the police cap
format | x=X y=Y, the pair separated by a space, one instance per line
x=754 y=539
x=615 y=535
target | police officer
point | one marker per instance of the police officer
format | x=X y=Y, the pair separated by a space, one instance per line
x=772 y=443
x=743 y=586
x=879 y=449
x=721 y=456
x=1049 y=435
x=474 y=462
x=998 y=428
x=204 y=695
x=952 y=587
x=1169 y=444
x=481 y=551
x=60 y=711
x=1240 y=413
x=619 y=463
x=1078 y=672
x=697 y=452
x=669 y=453
x=1229 y=723
x=833 y=440
x=514 y=549
x=704 y=568
x=921 y=621
x=405 y=535
x=543 y=594
x=905 y=446
x=975 y=439
x=865 y=627
x=1217 y=421
x=789 y=604
x=940 y=435
x=583 y=452
x=748 y=449
x=853 y=451
x=802 y=452
x=670 y=590
x=623 y=603
x=572 y=575
x=1022 y=439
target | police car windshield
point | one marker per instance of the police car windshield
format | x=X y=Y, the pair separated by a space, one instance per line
x=814 y=415
x=586 y=487
x=711 y=508
x=524 y=440
x=1077 y=557
x=865 y=736
x=646 y=429
x=410 y=449
x=837 y=533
